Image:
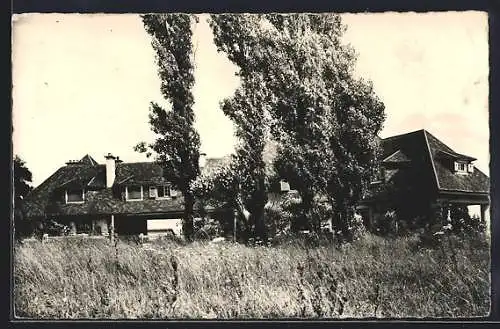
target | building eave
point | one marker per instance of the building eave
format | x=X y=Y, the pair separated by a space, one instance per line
x=431 y=158
x=457 y=156
x=464 y=192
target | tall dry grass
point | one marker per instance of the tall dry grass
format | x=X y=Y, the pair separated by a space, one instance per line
x=372 y=277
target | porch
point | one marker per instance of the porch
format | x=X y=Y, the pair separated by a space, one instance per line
x=450 y=200
x=426 y=212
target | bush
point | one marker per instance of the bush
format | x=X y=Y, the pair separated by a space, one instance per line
x=279 y=215
x=357 y=227
x=207 y=229
x=463 y=222
x=388 y=223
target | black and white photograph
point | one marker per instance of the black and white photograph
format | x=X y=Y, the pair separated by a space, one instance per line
x=180 y=166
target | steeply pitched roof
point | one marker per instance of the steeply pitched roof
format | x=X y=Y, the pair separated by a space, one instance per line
x=396 y=157
x=103 y=202
x=424 y=151
x=138 y=173
x=476 y=181
x=88 y=174
x=88 y=160
x=99 y=180
x=456 y=156
x=414 y=148
x=70 y=175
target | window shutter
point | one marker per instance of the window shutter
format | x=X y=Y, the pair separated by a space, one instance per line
x=471 y=167
x=456 y=166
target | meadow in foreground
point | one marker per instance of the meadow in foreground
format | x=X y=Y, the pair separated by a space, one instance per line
x=371 y=277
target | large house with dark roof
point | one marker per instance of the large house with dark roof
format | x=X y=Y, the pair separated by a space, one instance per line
x=422 y=174
x=93 y=198
x=131 y=198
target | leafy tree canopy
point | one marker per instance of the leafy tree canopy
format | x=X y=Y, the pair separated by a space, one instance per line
x=22 y=180
x=325 y=119
x=177 y=144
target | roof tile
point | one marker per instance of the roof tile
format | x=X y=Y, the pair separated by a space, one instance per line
x=448 y=180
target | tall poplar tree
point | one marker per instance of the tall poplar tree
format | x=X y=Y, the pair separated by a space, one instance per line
x=177 y=144
x=325 y=119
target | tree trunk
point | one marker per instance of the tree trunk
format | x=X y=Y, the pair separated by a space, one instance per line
x=258 y=203
x=187 y=223
x=257 y=216
x=341 y=222
x=306 y=216
x=244 y=216
x=315 y=222
x=347 y=231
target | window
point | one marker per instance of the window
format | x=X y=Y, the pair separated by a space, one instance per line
x=133 y=192
x=163 y=191
x=74 y=196
x=461 y=167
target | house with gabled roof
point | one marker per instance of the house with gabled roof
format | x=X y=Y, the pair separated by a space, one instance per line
x=128 y=198
x=423 y=173
x=426 y=175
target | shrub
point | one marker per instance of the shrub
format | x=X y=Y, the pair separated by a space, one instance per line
x=357 y=227
x=207 y=229
x=463 y=222
x=388 y=223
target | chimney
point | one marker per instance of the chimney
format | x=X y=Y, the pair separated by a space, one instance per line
x=202 y=160
x=73 y=162
x=110 y=169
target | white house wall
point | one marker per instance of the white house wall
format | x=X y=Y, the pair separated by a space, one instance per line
x=156 y=226
x=101 y=223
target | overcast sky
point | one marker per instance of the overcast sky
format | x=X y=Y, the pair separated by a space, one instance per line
x=83 y=83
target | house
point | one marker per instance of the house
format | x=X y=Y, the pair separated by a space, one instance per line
x=418 y=175
x=127 y=198
x=421 y=175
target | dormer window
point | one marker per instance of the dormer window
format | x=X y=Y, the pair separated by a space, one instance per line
x=134 y=193
x=463 y=167
x=163 y=191
x=458 y=163
x=74 y=195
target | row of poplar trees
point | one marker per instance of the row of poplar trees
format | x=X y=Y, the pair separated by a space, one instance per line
x=298 y=89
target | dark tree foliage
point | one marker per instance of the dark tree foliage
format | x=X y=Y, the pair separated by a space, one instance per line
x=325 y=120
x=22 y=187
x=247 y=109
x=177 y=144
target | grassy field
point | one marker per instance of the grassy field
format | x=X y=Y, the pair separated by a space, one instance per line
x=372 y=277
